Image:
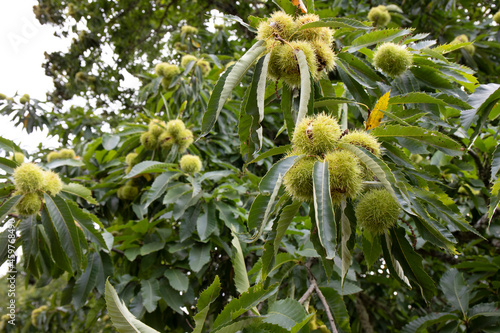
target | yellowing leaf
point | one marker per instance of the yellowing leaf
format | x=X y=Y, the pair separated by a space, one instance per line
x=496 y=187
x=376 y=115
x=300 y=4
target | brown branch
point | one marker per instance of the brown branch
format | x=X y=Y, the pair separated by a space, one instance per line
x=307 y=294
x=118 y=251
x=327 y=307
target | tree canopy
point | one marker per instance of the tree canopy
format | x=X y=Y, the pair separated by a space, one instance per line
x=283 y=166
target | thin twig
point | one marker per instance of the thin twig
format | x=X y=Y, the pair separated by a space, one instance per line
x=306 y=294
x=325 y=305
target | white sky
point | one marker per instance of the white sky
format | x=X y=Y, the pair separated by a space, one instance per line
x=24 y=41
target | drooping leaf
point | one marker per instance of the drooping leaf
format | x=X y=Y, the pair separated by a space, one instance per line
x=225 y=85
x=286 y=217
x=411 y=263
x=482 y=100
x=206 y=223
x=240 y=271
x=268 y=182
x=371 y=248
x=87 y=281
x=305 y=86
x=123 y=320
x=287 y=109
x=345 y=235
x=377 y=113
x=86 y=223
x=323 y=208
x=392 y=263
x=64 y=224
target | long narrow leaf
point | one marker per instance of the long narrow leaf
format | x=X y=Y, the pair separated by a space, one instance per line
x=225 y=86
x=305 y=86
x=323 y=208
x=123 y=320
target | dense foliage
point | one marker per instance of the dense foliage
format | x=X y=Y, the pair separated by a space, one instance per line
x=232 y=191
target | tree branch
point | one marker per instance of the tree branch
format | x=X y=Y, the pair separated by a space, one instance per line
x=306 y=294
x=325 y=304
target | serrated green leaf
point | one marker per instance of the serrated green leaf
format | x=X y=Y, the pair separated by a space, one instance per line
x=150 y=290
x=261 y=210
x=80 y=191
x=178 y=280
x=323 y=209
x=64 y=162
x=206 y=223
x=286 y=313
x=415 y=97
x=272 y=152
x=8 y=206
x=455 y=290
x=225 y=85
x=53 y=241
x=423 y=322
x=147 y=167
x=376 y=37
x=268 y=182
x=286 y=217
x=207 y=297
x=237 y=306
x=411 y=263
x=158 y=187
x=338 y=22
x=331 y=101
x=87 y=281
x=7 y=165
x=199 y=256
x=122 y=319
x=86 y=222
x=392 y=263
x=482 y=101
x=171 y=297
x=432 y=138
x=381 y=171
x=484 y=310
x=64 y=224
x=371 y=248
